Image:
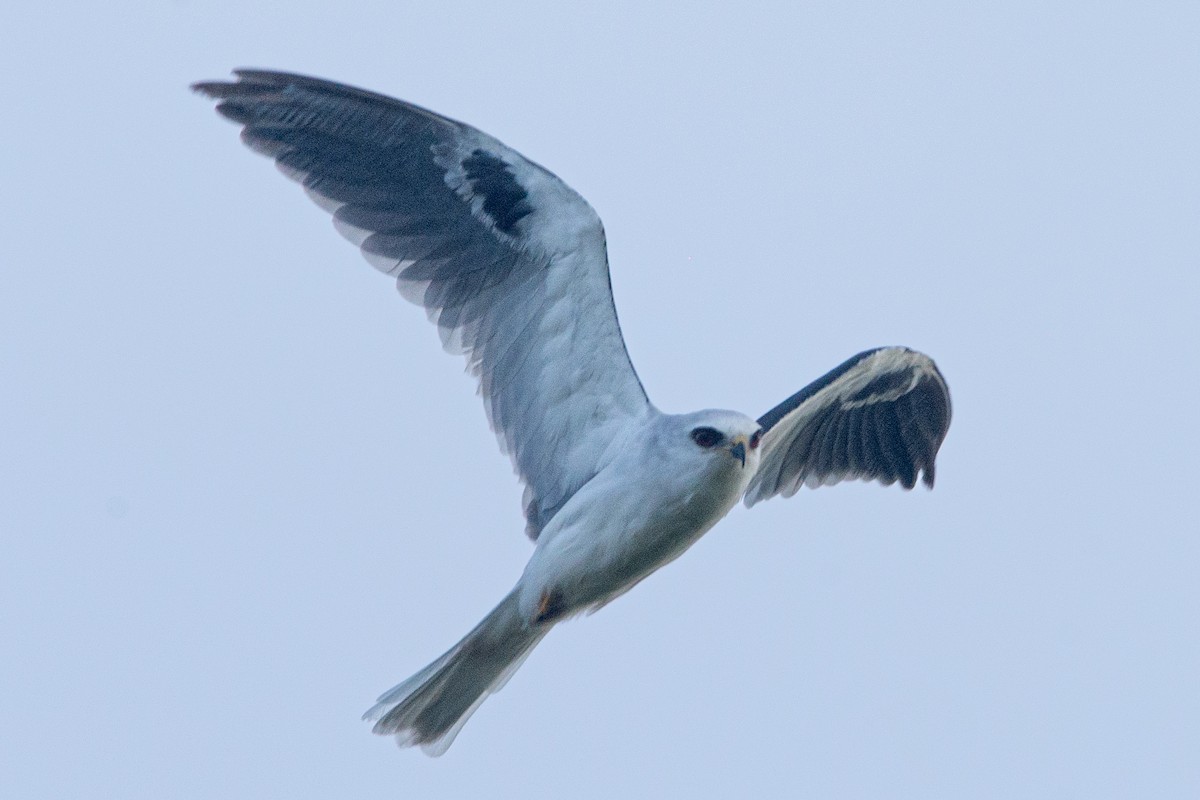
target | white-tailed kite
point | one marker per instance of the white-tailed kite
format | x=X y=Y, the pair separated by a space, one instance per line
x=511 y=264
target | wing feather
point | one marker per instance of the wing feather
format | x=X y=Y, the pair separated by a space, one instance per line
x=507 y=260
x=881 y=415
x=855 y=456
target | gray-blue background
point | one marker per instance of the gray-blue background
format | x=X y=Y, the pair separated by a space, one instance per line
x=242 y=491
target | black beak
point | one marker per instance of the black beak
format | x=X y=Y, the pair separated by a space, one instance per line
x=738 y=451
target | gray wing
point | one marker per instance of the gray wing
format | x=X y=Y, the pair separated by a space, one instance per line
x=506 y=259
x=881 y=415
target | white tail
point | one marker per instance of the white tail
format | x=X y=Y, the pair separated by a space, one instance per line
x=430 y=708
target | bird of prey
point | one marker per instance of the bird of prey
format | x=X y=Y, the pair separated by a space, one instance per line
x=511 y=265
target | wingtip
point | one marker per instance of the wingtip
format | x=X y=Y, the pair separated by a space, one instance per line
x=206 y=88
x=928 y=477
x=241 y=75
x=217 y=90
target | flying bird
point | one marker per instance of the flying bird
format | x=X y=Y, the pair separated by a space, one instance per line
x=511 y=265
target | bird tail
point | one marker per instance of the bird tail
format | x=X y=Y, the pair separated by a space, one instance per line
x=430 y=708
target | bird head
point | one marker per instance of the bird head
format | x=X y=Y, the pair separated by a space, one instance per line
x=729 y=438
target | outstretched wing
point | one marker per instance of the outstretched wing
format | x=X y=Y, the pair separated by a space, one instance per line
x=881 y=415
x=507 y=259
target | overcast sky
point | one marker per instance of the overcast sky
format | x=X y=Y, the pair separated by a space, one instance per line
x=242 y=491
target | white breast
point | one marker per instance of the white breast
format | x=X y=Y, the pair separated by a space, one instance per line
x=639 y=513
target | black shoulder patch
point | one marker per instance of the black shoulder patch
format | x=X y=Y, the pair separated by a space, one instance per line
x=504 y=200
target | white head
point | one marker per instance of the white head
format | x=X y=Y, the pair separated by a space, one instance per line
x=719 y=440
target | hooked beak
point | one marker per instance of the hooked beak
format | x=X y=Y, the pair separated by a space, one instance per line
x=738 y=450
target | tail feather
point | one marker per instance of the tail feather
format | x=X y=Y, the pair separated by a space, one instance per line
x=430 y=708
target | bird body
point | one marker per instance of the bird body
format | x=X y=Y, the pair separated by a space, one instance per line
x=511 y=265
x=642 y=510
x=612 y=533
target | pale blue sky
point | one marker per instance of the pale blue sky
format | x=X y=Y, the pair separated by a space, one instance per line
x=242 y=491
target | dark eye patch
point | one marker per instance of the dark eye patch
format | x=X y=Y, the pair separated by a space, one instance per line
x=756 y=439
x=707 y=437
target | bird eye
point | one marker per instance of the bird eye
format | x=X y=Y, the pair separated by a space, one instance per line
x=755 y=439
x=707 y=437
